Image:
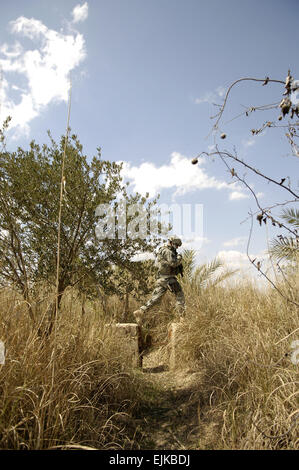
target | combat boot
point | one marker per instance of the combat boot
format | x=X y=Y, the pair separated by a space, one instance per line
x=138 y=314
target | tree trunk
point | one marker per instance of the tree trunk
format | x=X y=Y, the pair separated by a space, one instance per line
x=126 y=308
x=83 y=299
x=28 y=301
x=51 y=315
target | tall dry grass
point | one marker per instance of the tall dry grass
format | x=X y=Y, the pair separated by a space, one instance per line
x=89 y=403
x=241 y=338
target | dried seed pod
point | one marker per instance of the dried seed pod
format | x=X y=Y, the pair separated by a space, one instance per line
x=285 y=106
x=194 y=161
x=288 y=83
x=258 y=264
x=259 y=217
x=223 y=136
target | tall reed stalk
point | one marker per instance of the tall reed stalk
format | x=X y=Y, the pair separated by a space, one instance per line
x=62 y=190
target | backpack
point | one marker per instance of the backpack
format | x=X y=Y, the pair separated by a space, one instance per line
x=162 y=265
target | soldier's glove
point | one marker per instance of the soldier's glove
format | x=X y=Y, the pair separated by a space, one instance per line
x=179 y=257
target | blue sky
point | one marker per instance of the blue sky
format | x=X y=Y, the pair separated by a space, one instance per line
x=144 y=77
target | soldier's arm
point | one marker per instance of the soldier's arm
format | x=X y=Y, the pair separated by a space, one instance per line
x=172 y=259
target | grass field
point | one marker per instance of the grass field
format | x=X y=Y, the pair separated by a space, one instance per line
x=76 y=390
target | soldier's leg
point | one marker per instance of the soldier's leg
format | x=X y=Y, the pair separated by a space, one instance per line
x=157 y=294
x=179 y=297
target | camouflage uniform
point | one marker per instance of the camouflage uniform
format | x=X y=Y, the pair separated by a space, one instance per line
x=168 y=263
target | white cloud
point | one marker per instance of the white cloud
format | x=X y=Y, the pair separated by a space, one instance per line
x=248 y=143
x=211 y=96
x=221 y=90
x=238 y=241
x=208 y=97
x=234 y=259
x=194 y=241
x=45 y=68
x=80 y=13
x=236 y=195
x=11 y=51
x=178 y=174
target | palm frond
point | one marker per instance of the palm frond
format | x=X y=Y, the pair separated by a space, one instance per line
x=188 y=259
x=222 y=277
x=291 y=216
x=285 y=248
x=204 y=272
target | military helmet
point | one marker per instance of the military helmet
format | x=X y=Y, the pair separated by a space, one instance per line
x=175 y=240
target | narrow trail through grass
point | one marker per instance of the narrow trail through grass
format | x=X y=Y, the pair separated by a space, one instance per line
x=170 y=418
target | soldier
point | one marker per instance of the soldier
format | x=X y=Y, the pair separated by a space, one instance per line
x=169 y=264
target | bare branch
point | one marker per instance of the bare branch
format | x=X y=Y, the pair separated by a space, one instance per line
x=257 y=266
x=254 y=170
x=230 y=88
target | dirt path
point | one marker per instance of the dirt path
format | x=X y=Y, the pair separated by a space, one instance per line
x=171 y=419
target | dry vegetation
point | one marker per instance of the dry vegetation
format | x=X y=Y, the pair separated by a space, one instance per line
x=241 y=339
x=238 y=338
x=86 y=401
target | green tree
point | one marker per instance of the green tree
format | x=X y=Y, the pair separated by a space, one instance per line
x=136 y=280
x=29 y=205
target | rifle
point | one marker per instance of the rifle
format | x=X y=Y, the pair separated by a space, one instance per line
x=180 y=270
